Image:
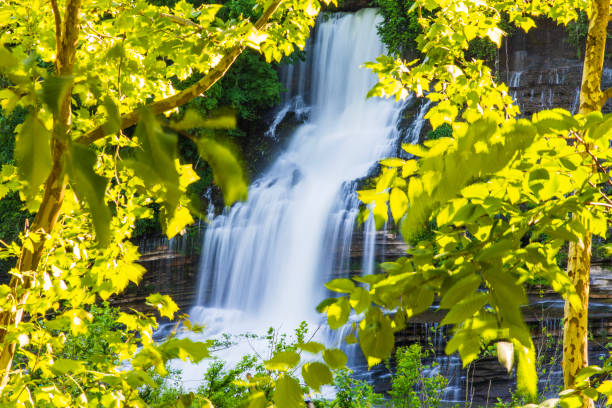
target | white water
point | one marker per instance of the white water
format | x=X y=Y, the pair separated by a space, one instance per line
x=264 y=262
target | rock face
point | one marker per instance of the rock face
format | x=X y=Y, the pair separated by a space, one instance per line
x=543 y=69
x=171 y=270
x=351 y=5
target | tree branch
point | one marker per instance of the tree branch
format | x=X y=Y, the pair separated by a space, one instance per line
x=605 y=95
x=70 y=36
x=590 y=153
x=607 y=205
x=181 y=98
x=182 y=21
x=58 y=27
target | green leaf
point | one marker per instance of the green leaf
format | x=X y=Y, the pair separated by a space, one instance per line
x=113 y=122
x=605 y=388
x=587 y=372
x=33 y=154
x=573 y=401
x=185 y=400
x=415 y=150
x=554 y=121
x=62 y=366
x=496 y=250
x=283 y=360
x=227 y=171
x=466 y=308
x=316 y=374
x=185 y=349
x=181 y=218
x=393 y=162
x=7 y=60
x=163 y=303
x=322 y=307
x=219 y=119
x=258 y=400
x=335 y=358
x=312 y=347
x=155 y=161
x=90 y=187
x=55 y=90
x=341 y=285
x=603 y=130
x=526 y=375
x=477 y=190
x=460 y=290
x=399 y=203
x=360 y=300
x=288 y=393
x=138 y=378
x=376 y=337
x=338 y=313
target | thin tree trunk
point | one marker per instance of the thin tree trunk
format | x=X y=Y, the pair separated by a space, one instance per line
x=575 y=321
x=67 y=35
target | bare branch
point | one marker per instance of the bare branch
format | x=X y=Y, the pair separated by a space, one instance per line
x=99 y=34
x=607 y=205
x=188 y=94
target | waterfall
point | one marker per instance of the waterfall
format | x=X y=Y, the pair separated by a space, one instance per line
x=265 y=261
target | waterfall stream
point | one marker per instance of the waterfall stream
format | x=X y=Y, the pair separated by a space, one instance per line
x=265 y=261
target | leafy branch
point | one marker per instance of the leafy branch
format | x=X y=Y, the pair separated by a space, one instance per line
x=181 y=98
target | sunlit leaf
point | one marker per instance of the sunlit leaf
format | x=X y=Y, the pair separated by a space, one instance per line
x=90 y=187
x=228 y=173
x=288 y=393
x=33 y=153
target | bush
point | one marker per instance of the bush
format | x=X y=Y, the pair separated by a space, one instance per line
x=351 y=393
x=410 y=385
x=399 y=28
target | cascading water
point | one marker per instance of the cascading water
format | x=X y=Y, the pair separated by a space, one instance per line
x=557 y=87
x=264 y=261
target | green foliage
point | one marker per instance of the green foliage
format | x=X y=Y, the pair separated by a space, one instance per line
x=452 y=34
x=220 y=387
x=89 y=181
x=351 y=393
x=259 y=379
x=95 y=345
x=499 y=196
x=577 y=32
x=14 y=216
x=444 y=130
x=410 y=386
x=399 y=27
x=250 y=87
